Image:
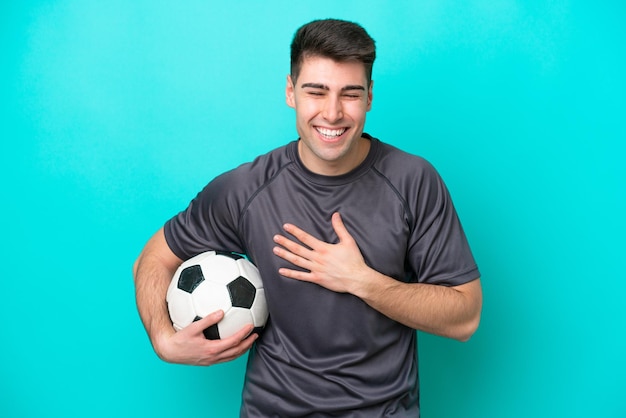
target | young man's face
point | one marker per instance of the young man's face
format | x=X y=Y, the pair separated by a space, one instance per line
x=331 y=99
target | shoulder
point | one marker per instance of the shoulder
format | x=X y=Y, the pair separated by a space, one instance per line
x=254 y=174
x=414 y=180
x=398 y=165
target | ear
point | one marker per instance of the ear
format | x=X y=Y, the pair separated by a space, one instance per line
x=289 y=93
x=370 y=95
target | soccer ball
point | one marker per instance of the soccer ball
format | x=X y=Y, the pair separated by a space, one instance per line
x=211 y=281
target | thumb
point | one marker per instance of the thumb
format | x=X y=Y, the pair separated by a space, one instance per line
x=340 y=228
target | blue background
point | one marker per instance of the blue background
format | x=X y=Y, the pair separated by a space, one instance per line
x=114 y=114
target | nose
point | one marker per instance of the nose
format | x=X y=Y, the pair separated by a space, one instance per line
x=333 y=110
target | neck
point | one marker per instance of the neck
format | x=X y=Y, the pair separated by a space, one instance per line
x=342 y=165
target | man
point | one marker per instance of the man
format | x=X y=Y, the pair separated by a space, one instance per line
x=358 y=244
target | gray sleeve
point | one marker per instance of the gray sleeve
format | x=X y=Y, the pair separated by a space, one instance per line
x=208 y=223
x=439 y=252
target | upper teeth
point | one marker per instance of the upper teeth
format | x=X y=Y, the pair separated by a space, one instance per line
x=331 y=132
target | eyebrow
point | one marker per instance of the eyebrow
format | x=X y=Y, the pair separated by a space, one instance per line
x=325 y=87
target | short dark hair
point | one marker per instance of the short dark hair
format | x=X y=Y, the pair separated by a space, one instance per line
x=338 y=40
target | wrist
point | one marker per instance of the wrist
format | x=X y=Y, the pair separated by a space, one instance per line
x=368 y=284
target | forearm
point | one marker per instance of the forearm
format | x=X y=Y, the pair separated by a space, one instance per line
x=152 y=273
x=150 y=289
x=452 y=312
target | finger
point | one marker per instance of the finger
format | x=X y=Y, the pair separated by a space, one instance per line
x=243 y=333
x=292 y=246
x=209 y=320
x=340 y=228
x=215 y=317
x=293 y=258
x=302 y=236
x=242 y=339
x=240 y=348
x=295 y=274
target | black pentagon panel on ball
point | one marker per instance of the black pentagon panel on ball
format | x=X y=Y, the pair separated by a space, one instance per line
x=241 y=292
x=210 y=333
x=190 y=278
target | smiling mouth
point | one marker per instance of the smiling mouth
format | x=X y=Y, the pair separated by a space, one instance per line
x=330 y=133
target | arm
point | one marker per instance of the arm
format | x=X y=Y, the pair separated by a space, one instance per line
x=452 y=312
x=446 y=311
x=153 y=272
